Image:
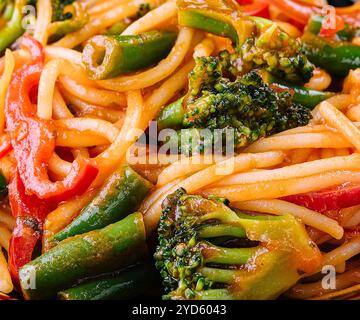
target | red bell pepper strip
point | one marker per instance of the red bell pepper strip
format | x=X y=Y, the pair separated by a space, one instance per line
x=4 y=297
x=5 y=145
x=30 y=213
x=329 y=31
x=328 y=200
x=33 y=139
x=301 y=12
x=255 y=8
x=352 y=232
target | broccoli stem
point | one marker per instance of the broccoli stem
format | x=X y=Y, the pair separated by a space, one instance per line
x=214 y=231
x=234 y=256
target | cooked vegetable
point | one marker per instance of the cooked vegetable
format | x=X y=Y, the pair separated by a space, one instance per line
x=301 y=11
x=260 y=43
x=334 y=52
x=336 y=57
x=247 y=106
x=68 y=16
x=109 y=56
x=117 y=246
x=13 y=28
x=207 y=251
x=172 y=116
x=34 y=150
x=123 y=285
x=120 y=196
x=307 y=97
x=214 y=17
x=327 y=200
x=255 y=8
x=30 y=213
x=3 y=186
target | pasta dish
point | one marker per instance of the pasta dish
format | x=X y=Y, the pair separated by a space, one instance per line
x=179 y=149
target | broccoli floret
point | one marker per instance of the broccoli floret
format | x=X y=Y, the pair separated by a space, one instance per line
x=68 y=16
x=144 y=8
x=272 y=49
x=248 y=107
x=58 y=13
x=209 y=70
x=208 y=251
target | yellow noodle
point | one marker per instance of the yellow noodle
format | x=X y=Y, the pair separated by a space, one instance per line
x=282 y=188
x=100 y=22
x=184 y=167
x=84 y=109
x=354 y=113
x=99 y=97
x=320 y=80
x=212 y=174
x=338 y=120
x=60 y=109
x=6 y=285
x=105 y=6
x=43 y=20
x=4 y=83
x=300 y=155
x=295 y=171
x=301 y=140
x=204 y=48
x=309 y=290
x=59 y=166
x=342 y=253
x=7 y=220
x=5 y=236
x=152 y=19
x=63 y=215
x=53 y=52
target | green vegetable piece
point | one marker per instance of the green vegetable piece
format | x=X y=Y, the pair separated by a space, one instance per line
x=72 y=18
x=123 y=285
x=116 y=246
x=336 y=57
x=172 y=115
x=13 y=29
x=208 y=251
x=109 y=56
x=214 y=17
x=121 y=195
x=306 y=97
x=236 y=114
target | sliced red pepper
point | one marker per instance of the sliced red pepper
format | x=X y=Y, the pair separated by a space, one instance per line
x=352 y=232
x=328 y=30
x=5 y=145
x=244 y=2
x=255 y=8
x=33 y=139
x=301 y=12
x=30 y=213
x=328 y=200
x=4 y=297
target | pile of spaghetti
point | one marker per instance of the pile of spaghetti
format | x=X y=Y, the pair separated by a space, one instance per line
x=251 y=189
